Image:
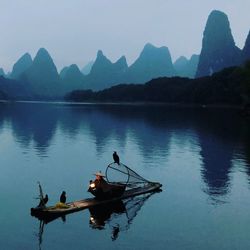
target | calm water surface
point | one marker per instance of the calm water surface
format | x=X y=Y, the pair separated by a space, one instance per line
x=200 y=156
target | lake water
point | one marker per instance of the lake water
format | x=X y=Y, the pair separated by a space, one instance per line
x=201 y=156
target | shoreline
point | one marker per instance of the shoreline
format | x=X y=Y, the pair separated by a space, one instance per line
x=161 y=104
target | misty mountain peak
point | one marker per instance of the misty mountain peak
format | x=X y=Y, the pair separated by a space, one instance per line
x=26 y=57
x=182 y=60
x=185 y=67
x=43 y=61
x=194 y=57
x=101 y=63
x=218 y=46
x=218 y=25
x=100 y=53
x=74 y=67
x=42 y=51
x=63 y=72
x=42 y=74
x=72 y=73
x=22 y=64
x=72 y=78
x=100 y=57
x=104 y=73
x=73 y=70
x=122 y=62
x=246 y=49
x=152 y=62
x=2 y=72
x=149 y=46
x=150 y=51
x=217 y=14
x=87 y=68
x=42 y=55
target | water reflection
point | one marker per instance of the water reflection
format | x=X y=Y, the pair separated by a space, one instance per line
x=217 y=141
x=221 y=135
x=118 y=215
x=40 y=234
x=244 y=147
x=216 y=168
x=32 y=124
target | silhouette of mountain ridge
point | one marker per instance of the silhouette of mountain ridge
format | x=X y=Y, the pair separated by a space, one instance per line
x=246 y=49
x=43 y=76
x=87 y=68
x=185 y=67
x=72 y=78
x=218 y=47
x=152 y=62
x=22 y=64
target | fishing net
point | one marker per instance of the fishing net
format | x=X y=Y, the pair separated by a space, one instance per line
x=120 y=173
x=132 y=207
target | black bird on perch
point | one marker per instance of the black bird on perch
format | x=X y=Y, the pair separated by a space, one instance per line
x=116 y=158
x=63 y=197
x=43 y=201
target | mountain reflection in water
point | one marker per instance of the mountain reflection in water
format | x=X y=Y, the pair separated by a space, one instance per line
x=221 y=135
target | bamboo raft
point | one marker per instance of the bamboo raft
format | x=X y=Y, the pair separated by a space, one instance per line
x=54 y=211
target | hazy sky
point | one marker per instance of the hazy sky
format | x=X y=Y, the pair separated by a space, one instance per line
x=73 y=30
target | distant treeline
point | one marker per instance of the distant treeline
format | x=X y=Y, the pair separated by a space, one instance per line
x=229 y=86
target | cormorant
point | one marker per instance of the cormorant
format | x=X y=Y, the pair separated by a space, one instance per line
x=63 y=197
x=116 y=158
x=43 y=201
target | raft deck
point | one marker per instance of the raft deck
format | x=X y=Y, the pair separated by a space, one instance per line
x=91 y=202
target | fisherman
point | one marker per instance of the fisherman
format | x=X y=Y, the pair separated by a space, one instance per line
x=43 y=201
x=116 y=158
x=63 y=197
x=100 y=182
